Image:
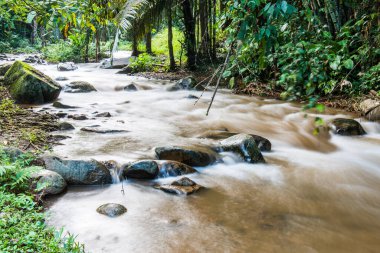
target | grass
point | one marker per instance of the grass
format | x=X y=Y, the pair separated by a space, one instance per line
x=22 y=221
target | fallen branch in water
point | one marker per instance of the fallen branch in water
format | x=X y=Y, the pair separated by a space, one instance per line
x=208 y=84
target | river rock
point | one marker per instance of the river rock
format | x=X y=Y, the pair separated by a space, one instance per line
x=111 y=209
x=79 y=172
x=125 y=70
x=183 y=186
x=371 y=109
x=263 y=144
x=130 y=87
x=188 y=83
x=34 y=59
x=78 y=117
x=28 y=85
x=59 y=105
x=61 y=114
x=4 y=67
x=3 y=56
x=79 y=87
x=346 y=127
x=103 y=114
x=192 y=97
x=62 y=78
x=66 y=66
x=192 y=156
x=64 y=126
x=243 y=145
x=102 y=130
x=47 y=182
x=174 y=169
x=145 y=169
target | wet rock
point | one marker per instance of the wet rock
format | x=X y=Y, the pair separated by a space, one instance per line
x=371 y=109
x=193 y=156
x=103 y=114
x=263 y=144
x=346 y=127
x=66 y=66
x=111 y=209
x=101 y=130
x=3 y=56
x=4 y=67
x=192 y=97
x=174 y=169
x=61 y=114
x=59 y=105
x=28 y=85
x=64 y=126
x=188 y=83
x=34 y=59
x=183 y=186
x=243 y=145
x=125 y=70
x=47 y=182
x=145 y=169
x=62 y=78
x=79 y=87
x=59 y=137
x=78 y=117
x=79 y=172
x=130 y=87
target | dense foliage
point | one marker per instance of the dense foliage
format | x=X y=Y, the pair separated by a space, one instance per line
x=22 y=222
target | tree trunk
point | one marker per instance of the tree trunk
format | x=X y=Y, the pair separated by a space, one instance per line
x=135 y=44
x=148 y=42
x=170 y=37
x=87 y=42
x=190 y=40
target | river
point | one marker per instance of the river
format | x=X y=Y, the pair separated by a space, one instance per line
x=316 y=193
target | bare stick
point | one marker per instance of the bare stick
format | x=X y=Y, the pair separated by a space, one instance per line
x=208 y=84
x=219 y=79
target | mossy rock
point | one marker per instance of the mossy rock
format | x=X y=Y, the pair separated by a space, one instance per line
x=4 y=67
x=28 y=85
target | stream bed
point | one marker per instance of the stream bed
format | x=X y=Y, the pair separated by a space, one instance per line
x=316 y=193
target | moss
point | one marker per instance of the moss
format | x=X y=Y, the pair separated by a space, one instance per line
x=28 y=85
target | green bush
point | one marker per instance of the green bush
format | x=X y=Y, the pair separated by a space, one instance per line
x=61 y=52
x=143 y=63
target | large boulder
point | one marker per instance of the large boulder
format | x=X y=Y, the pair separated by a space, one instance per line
x=79 y=87
x=66 y=66
x=78 y=172
x=346 y=127
x=28 y=85
x=243 y=145
x=188 y=83
x=183 y=186
x=4 y=67
x=193 y=156
x=145 y=169
x=174 y=169
x=371 y=109
x=111 y=209
x=47 y=182
x=263 y=144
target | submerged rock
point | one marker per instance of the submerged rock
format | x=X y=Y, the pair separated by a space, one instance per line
x=146 y=169
x=188 y=83
x=371 y=109
x=59 y=105
x=103 y=114
x=79 y=172
x=243 y=145
x=79 y=87
x=64 y=126
x=183 y=186
x=111 y=209
x=47 y=182
x=67 y=66
x=62 y=78
x=174 y=169
x=130 y=87
x=193 y=156
x=28 y=85
x=102 y=131
x=78 y=117
x=4 y=67
x=346 y=127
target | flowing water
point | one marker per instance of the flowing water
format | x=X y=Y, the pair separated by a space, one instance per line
x=315 y=194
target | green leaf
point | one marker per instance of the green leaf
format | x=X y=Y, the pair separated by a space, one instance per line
x=30 y=17
x=227 y=73
x=348 y=64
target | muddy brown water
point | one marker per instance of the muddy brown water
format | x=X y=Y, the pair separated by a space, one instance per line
x=315 y=194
